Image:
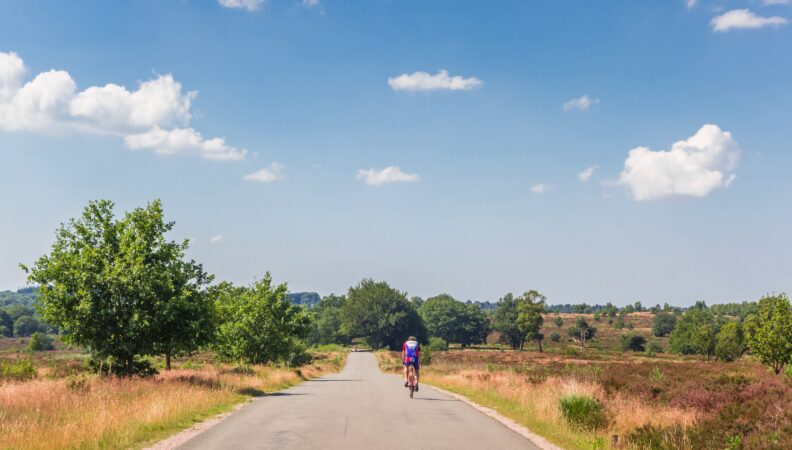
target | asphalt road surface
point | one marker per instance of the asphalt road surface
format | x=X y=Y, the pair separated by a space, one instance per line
x=359 y=408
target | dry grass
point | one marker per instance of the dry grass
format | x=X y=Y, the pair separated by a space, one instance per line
x=91 y=412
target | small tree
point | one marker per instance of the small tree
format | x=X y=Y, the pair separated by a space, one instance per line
x=6 y=324
x=634 y=342
x=582 y=331
x=703 y=340
x=555 y=337
x=259 y=324
x=505 y=322
x=663 y=324
x=770 y=332
x=530 y=308
x=558 y=321
x=729 y=344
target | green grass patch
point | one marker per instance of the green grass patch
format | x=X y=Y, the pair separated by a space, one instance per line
x=582 y=411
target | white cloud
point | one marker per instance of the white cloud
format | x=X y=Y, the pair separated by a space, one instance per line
x=267 y=175
x=690 y=3
x=250 y=5
x=149 y=117
x=744 y=19
x=694 y=167
x=586 y=174
x=310 y=3
x=581 y=103
x=184 y=141
x=422 y=81
x=539 y=188
x=216 y=239
x=390 y=174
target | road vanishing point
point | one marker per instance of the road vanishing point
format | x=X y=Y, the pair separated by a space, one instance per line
x=358 y=408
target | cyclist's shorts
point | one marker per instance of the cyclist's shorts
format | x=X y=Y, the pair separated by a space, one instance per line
x=415 y=363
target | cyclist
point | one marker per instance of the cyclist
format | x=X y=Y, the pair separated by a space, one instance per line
x=411 y=356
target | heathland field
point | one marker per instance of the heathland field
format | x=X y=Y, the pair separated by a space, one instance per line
x=638 y=399
x=53 y=400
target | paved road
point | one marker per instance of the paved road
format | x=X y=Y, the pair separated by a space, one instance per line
x=359 y=408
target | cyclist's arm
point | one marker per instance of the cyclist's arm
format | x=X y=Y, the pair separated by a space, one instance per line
x=403 y=356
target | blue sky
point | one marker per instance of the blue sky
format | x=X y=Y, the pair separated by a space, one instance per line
x=347 y=152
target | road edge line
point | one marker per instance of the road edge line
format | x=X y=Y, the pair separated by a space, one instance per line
x=537 y=440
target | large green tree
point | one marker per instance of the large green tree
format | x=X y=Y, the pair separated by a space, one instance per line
x=769 y=332
x=730 y=343
x=381 y=315
x=530 y=308
x=688 y=337
x=505 y=322
x=454 y=321
x=259 y=324
x=117 y=286
x=327 y=327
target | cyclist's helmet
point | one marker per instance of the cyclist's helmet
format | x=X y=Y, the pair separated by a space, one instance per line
x=411 y=338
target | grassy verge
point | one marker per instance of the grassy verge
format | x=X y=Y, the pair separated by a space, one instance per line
x=86 y=411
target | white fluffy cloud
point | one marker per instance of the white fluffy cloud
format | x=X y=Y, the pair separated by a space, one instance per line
x=390 y=174
x=216 y=239
x=423 y=81
x=694 y=167
x=582 y=103
x=745 y=19
x=586 y=174
x=267 y=175
x=250 y=5
x=539 y=188
x=148 y=117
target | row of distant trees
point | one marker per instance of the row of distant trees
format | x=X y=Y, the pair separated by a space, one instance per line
x=119 y=288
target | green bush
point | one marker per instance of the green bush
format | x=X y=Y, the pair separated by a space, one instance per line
x=327 y=348
x=40 y=342
x=437 y=344
x=20 y=370
x=426 y=355
x=582 y=411
x=655 y=347
x=634 y=342
x=555 y=337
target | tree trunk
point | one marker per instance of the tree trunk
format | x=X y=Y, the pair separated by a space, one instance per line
x=540 y=345
x=167 y=361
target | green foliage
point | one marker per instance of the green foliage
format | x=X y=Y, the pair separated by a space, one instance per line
x=18 y=370
x=18 y=310
x=655 y=347
x=729 y=343
x=437 y=344
x=656 y=374
x=326 y=327
x=41 y=342
x=695 y=332
x=633 y=342
x=630 y=326
x=530 y=308
x=505 y=322
x=24 y=296
x=663 y=324
x=582 y=331
x=454 y=321
x=118 y=288
x=555 y=337
x=558 y=321
x=381 y=315
x=582 y=411
x=6 y=324
x=259 y=324
x=769 y=332
x=619 y=323
x=25 y=326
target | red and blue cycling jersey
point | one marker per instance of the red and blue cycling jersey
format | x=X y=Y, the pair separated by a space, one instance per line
x=412 y=353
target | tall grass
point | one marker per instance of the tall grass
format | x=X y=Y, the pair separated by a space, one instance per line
x=90 y=412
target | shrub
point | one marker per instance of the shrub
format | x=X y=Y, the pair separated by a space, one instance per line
x=630 y=326
x=655 y=347
x=663 y=324
x=559 y=322
x=20 y=370
x=555 y=337
x=40 y=342
x=571 y=351
x=619 y=323
x=730 y=344
x=634 y=342
x=437 y=344
x=582 y=411
x=426 y=356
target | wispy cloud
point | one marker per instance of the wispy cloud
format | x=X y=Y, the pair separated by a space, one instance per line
x=310 y=3
x=250 y=5
x=741 y=19
x=582 y=103
x=153 y=117
x=694 y=167
x=267 y=175
x=539 y=188
x=423 y=81
x=390 y=174
x=216 y=239
x=690 y=3
x=586 y=174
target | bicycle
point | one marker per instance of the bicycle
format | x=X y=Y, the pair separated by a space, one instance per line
x=411 y=380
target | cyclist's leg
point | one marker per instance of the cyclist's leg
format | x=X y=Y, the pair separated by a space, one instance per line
x=416 y=371
x=406 y=374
